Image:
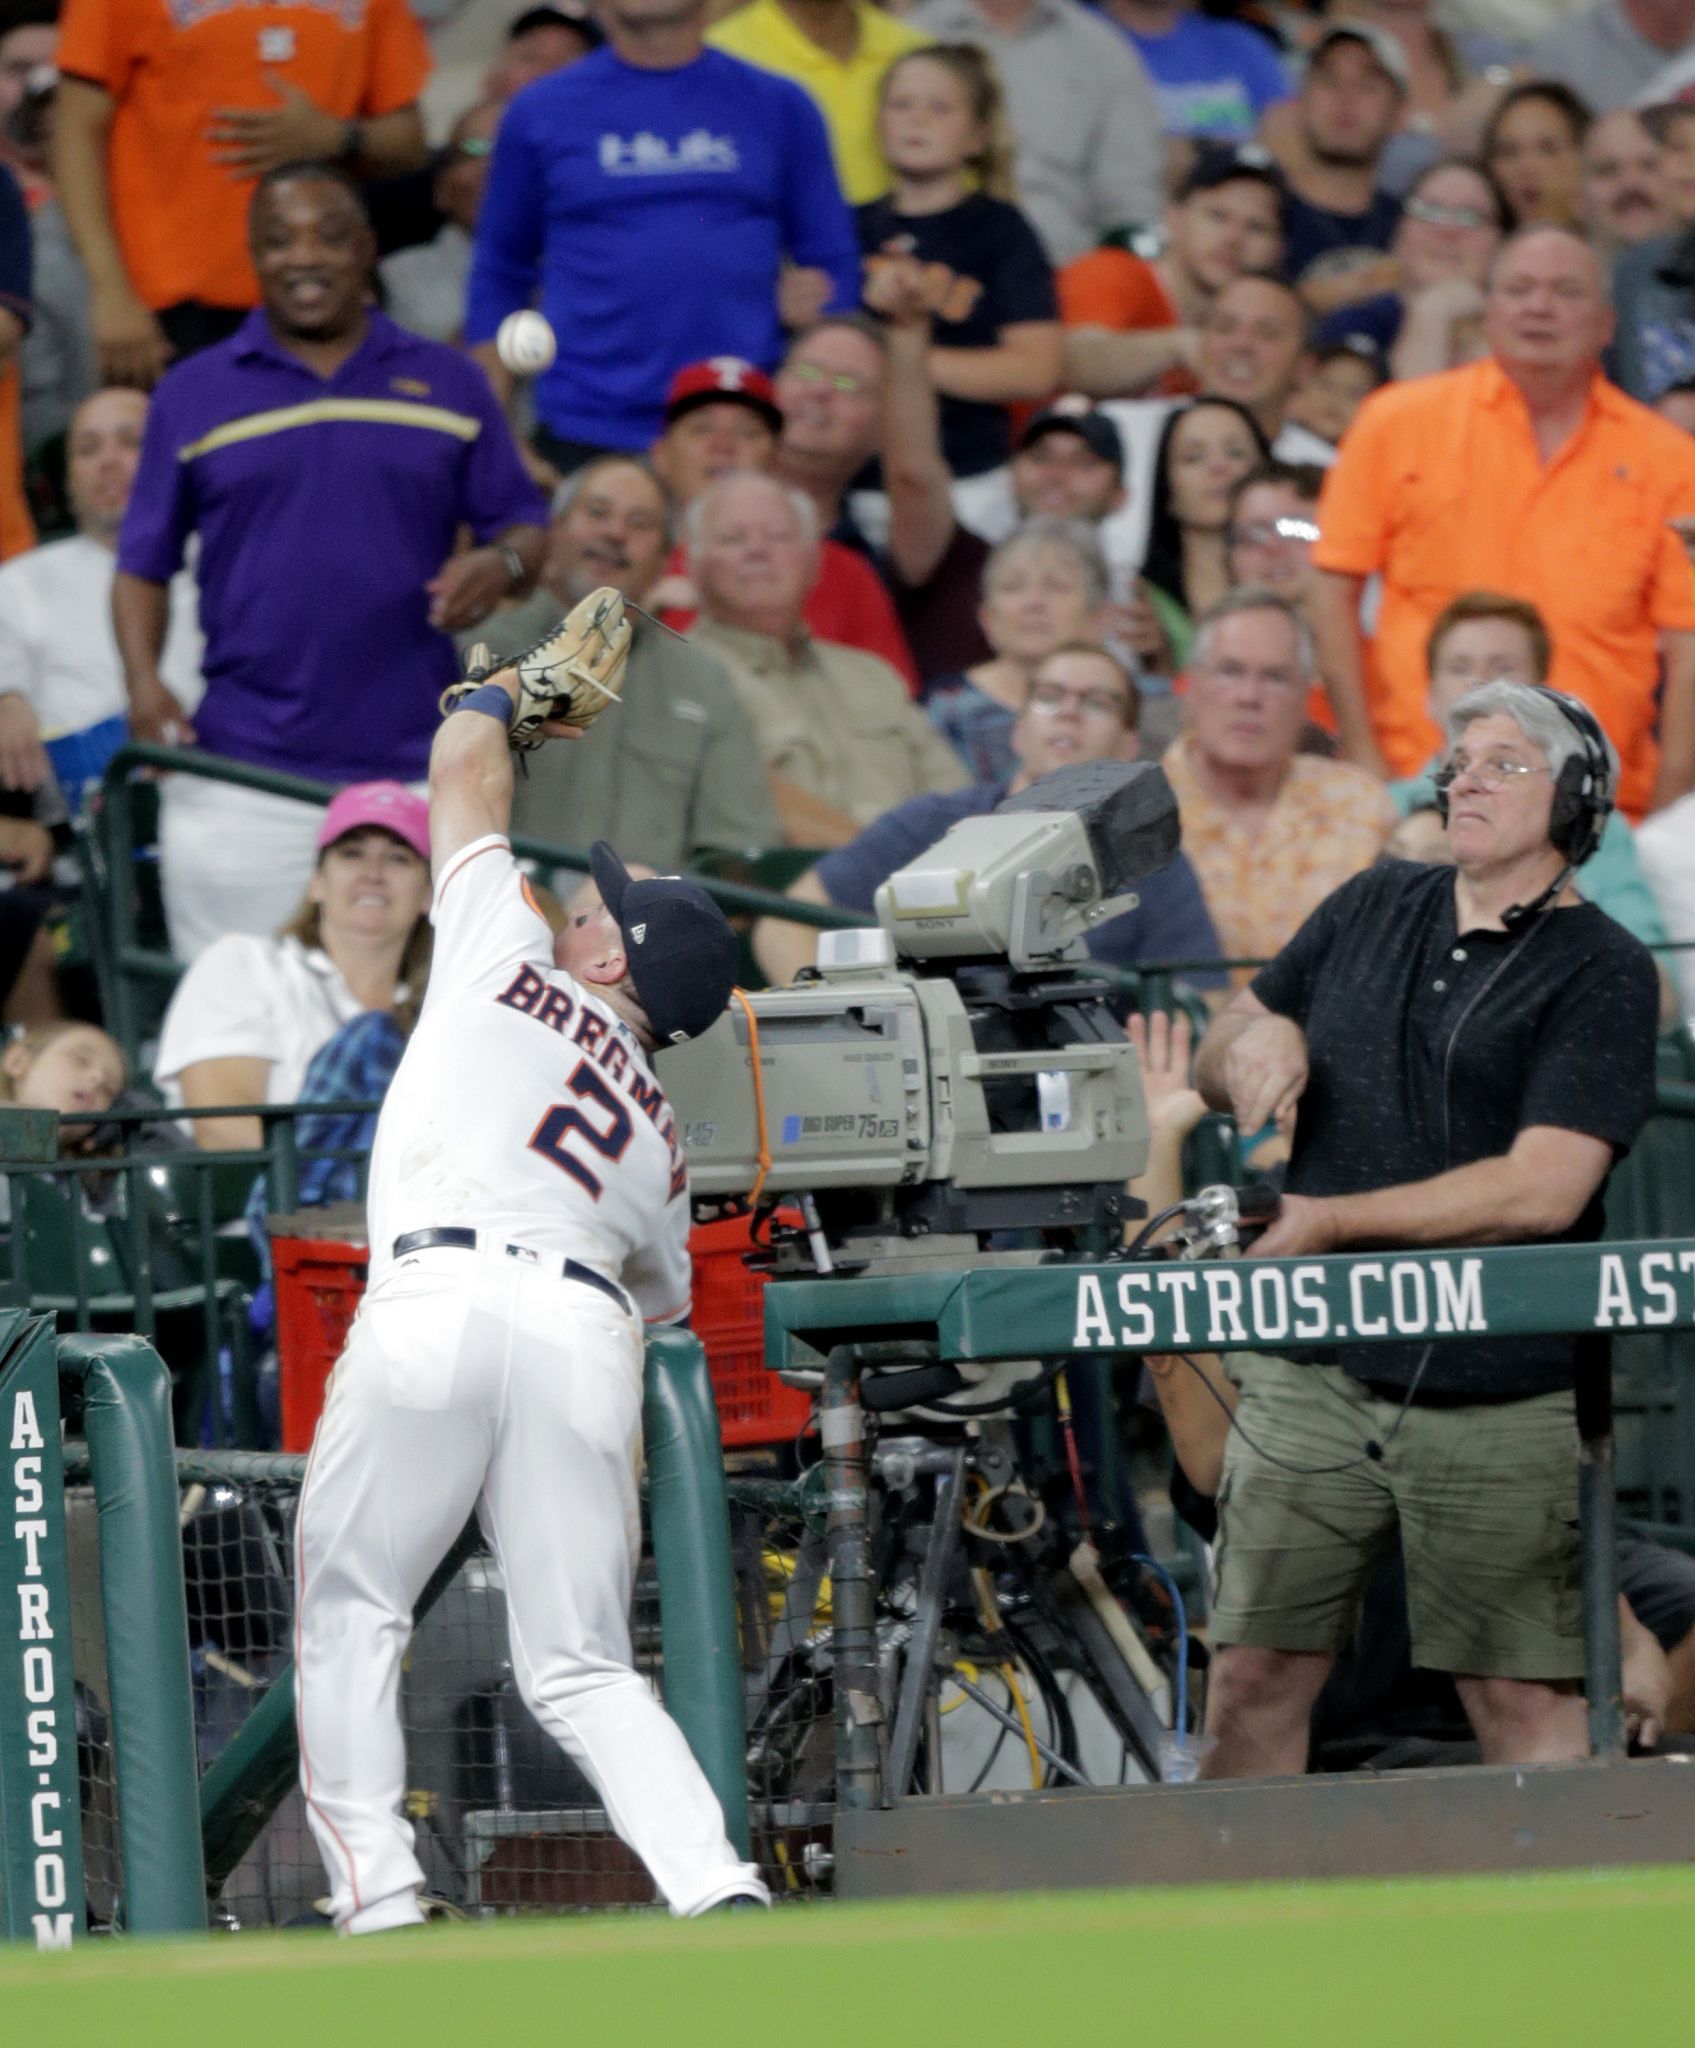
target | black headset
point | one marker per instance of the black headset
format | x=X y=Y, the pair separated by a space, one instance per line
x=1584 y=789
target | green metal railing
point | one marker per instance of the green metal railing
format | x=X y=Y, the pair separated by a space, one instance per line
x=129 y=963
x=182 y=1836
x=125 y=963
x=156 y=1241
x=688 y=1511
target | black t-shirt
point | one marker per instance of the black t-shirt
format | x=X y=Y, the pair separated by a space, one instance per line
x=1001 y=278
x=1342 y=239
x=940 y=615
x=1428 y=1050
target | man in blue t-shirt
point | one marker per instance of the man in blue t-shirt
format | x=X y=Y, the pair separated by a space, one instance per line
x=1083 y=706
x=653 y=194
x=1212 y=78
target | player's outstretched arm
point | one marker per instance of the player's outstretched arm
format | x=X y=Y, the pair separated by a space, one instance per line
x=471 y=772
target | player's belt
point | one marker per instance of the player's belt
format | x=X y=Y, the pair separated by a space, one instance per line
x=455 y=1237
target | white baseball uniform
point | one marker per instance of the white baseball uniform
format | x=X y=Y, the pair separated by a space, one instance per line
x=524 y=1109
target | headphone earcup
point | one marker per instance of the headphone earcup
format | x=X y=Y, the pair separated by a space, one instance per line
x=1570 y=809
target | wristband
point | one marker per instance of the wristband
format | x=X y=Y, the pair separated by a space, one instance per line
x=492 y=701
x=514 y=561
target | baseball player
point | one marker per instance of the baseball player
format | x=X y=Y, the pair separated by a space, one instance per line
x=528 y=1208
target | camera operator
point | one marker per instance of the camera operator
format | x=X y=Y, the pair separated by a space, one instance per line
x=1469 y=1051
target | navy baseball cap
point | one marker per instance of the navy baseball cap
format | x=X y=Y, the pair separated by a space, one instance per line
x=1218 y=163
x=681 y=950
x=1074 y=415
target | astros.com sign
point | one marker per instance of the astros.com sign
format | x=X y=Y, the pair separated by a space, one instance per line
x=44 y=1676
x=1220 y=1305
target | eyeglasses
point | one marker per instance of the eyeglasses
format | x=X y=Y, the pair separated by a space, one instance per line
x=1260 y=533
x=1491 y=774
x=841 y=381
x=1051 y=698
x=1435 y=215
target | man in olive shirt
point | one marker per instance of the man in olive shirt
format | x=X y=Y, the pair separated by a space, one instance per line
x=685 y=773
x=840 y=738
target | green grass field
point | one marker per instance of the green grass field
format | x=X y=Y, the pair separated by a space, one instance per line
x=1598 y=1958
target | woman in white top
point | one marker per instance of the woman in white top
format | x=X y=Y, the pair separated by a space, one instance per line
x=250 y=1013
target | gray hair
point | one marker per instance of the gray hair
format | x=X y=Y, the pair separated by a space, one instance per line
x=1544 y=724
x=1253 y=597
x=569 y=489
x=694 y=516
x=1073 y=537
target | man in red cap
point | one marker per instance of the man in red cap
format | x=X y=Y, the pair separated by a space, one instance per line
x=721 y=415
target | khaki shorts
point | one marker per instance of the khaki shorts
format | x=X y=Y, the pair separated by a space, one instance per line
x=1483 y=1498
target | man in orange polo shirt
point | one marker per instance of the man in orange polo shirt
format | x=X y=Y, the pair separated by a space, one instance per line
x=167 y=114
x=1532 y=474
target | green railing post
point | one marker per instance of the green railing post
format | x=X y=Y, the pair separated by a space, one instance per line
x=690 y=1518
x=126 y=1400
x=41 y=1873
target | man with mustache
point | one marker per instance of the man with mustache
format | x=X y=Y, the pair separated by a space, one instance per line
x=1622 y=199
x=681 y=768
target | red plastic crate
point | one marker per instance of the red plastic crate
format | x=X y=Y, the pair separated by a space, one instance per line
x=319 y=1282
x=754 y=1406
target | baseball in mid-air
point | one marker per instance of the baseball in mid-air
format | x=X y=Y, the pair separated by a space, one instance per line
x=525 y=344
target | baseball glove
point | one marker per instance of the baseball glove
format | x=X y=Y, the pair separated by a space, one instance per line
x=571 y=674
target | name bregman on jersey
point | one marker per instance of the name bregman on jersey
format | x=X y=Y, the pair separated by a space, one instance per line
x=533 y=995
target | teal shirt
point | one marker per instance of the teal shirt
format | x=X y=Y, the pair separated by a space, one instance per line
x=1611 y=878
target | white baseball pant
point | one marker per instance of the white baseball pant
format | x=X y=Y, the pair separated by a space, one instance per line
x=473 y=1380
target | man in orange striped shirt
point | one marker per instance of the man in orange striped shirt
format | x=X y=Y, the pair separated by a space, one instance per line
x=1532 y=474
x=167 y=114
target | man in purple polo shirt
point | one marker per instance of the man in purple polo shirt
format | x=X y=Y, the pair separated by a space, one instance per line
x=328 y=461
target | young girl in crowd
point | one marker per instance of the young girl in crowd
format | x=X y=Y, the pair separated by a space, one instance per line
x=1206 y=450
x=1041 y=589
x=996 y=337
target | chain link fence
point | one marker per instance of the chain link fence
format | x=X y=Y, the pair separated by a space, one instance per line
x=504 y=1821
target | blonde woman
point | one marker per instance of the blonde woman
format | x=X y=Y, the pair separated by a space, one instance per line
x=1043 y=589
x=250 y=1013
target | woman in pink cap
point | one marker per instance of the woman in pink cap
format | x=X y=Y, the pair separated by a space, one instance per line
x=250 y=1013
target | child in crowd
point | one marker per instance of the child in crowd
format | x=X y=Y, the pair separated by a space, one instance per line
x=996 y=337
x=1343 y=376
x=71 y=1067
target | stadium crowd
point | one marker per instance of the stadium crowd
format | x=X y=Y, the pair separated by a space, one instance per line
x=961 y=389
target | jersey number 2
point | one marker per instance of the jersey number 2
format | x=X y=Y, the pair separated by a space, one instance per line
x=565 y=1122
